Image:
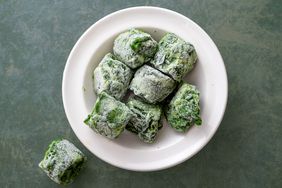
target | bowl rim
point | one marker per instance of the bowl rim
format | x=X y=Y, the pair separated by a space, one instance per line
x=224 y=98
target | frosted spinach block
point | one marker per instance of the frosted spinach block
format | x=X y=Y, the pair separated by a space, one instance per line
x=146 y=119
x=109 y=116
x=134 y=48
x=62 y=161
x=112 y=76
x=175 y=56
x=183 y=111
x=151 y=84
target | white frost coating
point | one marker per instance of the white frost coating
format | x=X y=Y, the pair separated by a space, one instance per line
x=151 y=84
x=109 y=116
x=66 y=155
x=112 y=76
x=99 y=81
x=134 y=58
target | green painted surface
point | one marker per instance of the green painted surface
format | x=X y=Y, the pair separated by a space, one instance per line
x=36 y=37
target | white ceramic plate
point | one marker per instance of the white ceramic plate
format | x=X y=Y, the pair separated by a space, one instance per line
x=128 y=151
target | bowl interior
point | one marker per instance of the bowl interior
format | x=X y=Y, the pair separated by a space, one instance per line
x=166 y=136
x=128 y=151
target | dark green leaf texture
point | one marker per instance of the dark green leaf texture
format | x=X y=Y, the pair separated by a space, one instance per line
x=183 y=111
x=146 y=119
x=174 y=56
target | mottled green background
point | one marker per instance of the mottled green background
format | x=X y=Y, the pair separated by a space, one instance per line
x=36 y=37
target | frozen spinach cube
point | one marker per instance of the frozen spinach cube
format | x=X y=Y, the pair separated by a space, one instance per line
x=183 y=111
x=151 y=84
x=134 y=48
x=112 y=76
x=109 y=116
x=146 y=119
x=62 y=161
x=175 y=56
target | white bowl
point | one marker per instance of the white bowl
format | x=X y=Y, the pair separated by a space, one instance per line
x=170 y=148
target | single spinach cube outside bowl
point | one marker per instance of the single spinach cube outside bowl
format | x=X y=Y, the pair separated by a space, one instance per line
x=112 y=76
x=109 y=116
x=62 y=161
x=175 y=56
x=145 y=121
x=183 y=110
x=134 y=47
x=151 y=85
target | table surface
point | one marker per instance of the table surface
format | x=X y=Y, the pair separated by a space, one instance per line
x=36 y=37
